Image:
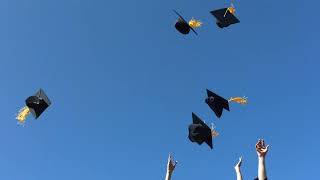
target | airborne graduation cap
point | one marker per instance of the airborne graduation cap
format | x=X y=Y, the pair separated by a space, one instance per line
x=184 y=27
x=200 y=132
x=218 y=103
x=225 y=16
x=35 y=104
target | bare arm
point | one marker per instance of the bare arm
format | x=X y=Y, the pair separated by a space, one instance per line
x=170 y=167
x=262 y=150
x=238 y=170
x=262 y=173
x=168 y=176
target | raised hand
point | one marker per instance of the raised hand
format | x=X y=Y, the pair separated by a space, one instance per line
x=237 y=168
x=171 y=165
x=238 y=165
x=261 y=148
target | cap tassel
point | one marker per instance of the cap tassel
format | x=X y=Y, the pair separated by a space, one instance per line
x=231 y=9
x=195 y=23
x=23 y=114
x=213 y=132
x=241 y=100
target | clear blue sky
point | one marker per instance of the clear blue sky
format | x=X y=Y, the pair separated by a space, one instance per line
x=123 y=83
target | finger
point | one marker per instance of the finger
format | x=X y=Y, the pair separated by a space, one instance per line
x=267 y=146
x=174 y=164
x=259 y=150
x=258 y=141
x=169 y=158
x=240 y=161
x=263 y=142
x=257 y=144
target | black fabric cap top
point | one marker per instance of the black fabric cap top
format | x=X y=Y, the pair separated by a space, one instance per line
x=216 y=103
x=200 y=132
x=224 y=18
x=38 y=103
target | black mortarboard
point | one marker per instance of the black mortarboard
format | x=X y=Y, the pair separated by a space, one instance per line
x=199 y=131
x=182 y=25
x=38 y=103
x=217 y=103
x=224 y=17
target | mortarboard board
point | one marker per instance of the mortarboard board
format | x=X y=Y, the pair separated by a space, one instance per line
x=224 y=17
x=217 y=103
x=38 y=103
x=182 y=25
x=199 y=131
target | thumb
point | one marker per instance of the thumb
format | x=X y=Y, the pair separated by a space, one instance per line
x=267 y=147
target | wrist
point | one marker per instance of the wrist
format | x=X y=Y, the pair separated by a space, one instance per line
x=261 y=158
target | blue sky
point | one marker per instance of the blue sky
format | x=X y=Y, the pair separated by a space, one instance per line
x=123 y=83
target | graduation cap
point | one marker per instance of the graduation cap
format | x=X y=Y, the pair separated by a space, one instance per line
x=35 y=104
x=218 y=103
x=200 y=132
x=184 y=27
x=225 y=16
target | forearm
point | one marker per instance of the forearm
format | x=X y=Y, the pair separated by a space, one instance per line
x=239 y=176
x=168 y=176
x=262 y=173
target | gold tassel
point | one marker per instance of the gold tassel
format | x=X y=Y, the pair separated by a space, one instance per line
x=241 y=100
x=23 y=114
x=195 y=23
x=231 y=9
x=214 y=133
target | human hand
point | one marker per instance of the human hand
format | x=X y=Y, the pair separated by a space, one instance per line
x=171 y=165
x=261 y=148
x=238 y=165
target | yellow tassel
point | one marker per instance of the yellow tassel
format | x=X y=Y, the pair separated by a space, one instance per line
x=195 y=23
x=23 y=114
x=214 y=133
x=231 y=9
x=241 y=100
